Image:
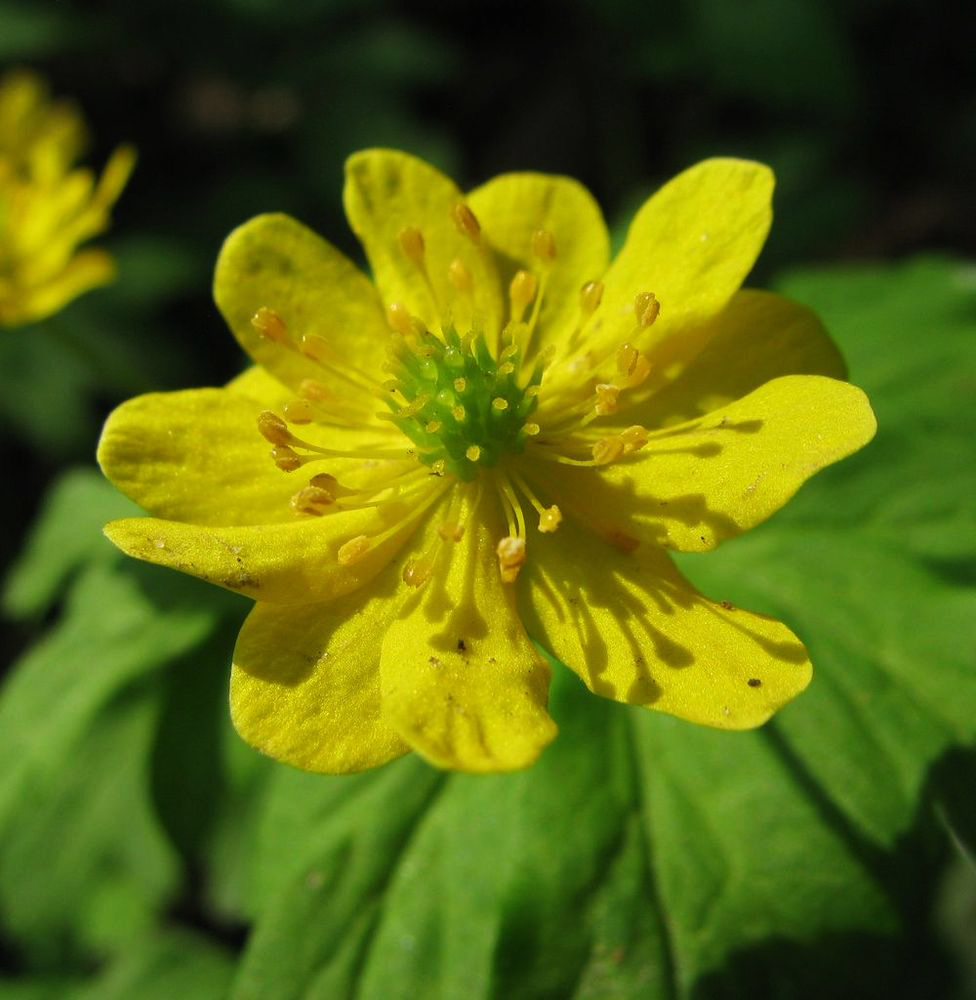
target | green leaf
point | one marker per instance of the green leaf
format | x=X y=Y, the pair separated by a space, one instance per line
x=644 y=857
x=85 y=866
x=175 y=964
x=66 y=536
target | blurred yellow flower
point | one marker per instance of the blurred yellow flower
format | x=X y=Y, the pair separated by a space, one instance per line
x=498 y=439
x=48 y=206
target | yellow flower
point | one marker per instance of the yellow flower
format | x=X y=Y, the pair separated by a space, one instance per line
x=512 y=460
x=47 y=205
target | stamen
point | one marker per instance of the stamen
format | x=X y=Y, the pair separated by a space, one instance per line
x=511 y=558
x=607 y=450
x=647 y=308
x=451 y=531
x=634 y=438
x=412 y=244
x=416 y=572
x=622 y=541
x=473 y=453
x=591 y=294
x=550 y=519
x=312 y=500
x=466 y=222
x=270 y=325
x=353 y=551
x=544 y=245
x=521 y=292
x=298 y=411
x=499 y=405
x=606 y=399
x=273 y=429
x=400 y=320
x=460 y=276
x=286 y=459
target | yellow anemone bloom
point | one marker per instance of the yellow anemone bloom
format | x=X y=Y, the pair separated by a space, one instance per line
x=47 y=205
x=496 y=440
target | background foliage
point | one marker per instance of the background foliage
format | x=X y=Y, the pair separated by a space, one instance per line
x=144 y=851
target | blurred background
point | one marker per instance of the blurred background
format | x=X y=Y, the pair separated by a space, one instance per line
x=866 y=110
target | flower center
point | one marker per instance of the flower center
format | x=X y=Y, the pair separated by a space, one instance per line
x=459 y=405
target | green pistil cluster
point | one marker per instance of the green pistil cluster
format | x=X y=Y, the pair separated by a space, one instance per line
x=463 y=408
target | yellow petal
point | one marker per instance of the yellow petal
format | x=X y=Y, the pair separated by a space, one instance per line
x=514 y=206
x=283 y=563
x=274 y=262
x=305 y=686
x=88 y=270
x=701 y=482
x=461 y=681
x=197 y=456
x=759 y=336
x=638 y=632
x=691 y=244
x=261 y=386
x=387 y=192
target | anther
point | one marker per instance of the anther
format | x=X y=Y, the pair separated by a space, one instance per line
x=607 y=450
x=451 y=531
x=627 y=356
x=544 y=245
x=606 y=399
x=511 y=557
x=521 y=292
x=353 y=550
x=499 y=405
x=473 y=453
x=273 y=428
x=312 y=500
x=550 y=519
x=459 y=413
x=460 y=276
x=314 y=391
x=433 y=426
x=531 y=429
x=590 y=296
x=412 y=244
x=399 y=318
x=286 y=459
x=466 y=222
x=622 y=541
x=646 y=308
x=298 y=411
x=327 y=483
x=270 y=325
x=460 y=384
x=634 y=438
x=417 y=572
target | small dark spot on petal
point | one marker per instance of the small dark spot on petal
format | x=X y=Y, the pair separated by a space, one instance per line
x=754 y=682
x=461 y=646
x=728 y=605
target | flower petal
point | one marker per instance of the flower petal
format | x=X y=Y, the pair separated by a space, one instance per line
x=388 y=191
x=696 y=484
x=461 y=681
x=87 y=270
x=759 y=336
x=197 y=456
x=305 y=686
x=691 y=244
x=275 y=262
x=512 y=207
x=293 y=563
x=638 y=632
